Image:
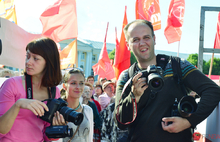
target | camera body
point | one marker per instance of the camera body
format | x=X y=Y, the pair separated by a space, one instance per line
x=154 y=76
x=69 y=115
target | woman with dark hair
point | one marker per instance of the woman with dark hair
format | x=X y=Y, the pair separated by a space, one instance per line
x=21 y=105
x=73 y=87
x=98 y=92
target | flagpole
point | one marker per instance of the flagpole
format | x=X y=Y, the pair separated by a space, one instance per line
x=210 y=68
x=178 y=49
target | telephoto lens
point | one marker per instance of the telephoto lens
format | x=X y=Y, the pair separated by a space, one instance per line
x=71 y=115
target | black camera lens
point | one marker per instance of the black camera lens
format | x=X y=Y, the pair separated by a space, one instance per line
x=187 y=107
x=71 y=116
x=155 y=82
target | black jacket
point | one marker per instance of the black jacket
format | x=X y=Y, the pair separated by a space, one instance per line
x=148 y=128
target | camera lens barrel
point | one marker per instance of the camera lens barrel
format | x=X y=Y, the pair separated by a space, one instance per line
x=155 y=82
x=187 y=106
x=71 y=116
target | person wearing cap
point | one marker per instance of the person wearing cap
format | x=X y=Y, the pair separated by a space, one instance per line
x=105 y=98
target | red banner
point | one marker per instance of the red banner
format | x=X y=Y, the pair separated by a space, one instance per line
x=149 y=10
x=217 y=36
x=60 y=20
x=173 y=30
x=104 y=68
x=122 y=54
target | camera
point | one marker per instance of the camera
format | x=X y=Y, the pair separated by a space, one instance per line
x=185 y=107
x=69 y=115
x=60 y=105
x=154 y=75
x=58 y=131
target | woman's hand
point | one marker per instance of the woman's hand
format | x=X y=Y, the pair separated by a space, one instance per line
x=58 y=119
x=36 y=106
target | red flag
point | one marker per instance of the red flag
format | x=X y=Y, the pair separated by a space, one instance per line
x=173 y=30
x=122 y=54
x=60 y=20
x=68 y=55
x=149 y=10
x=217 y=36
x=104 y=68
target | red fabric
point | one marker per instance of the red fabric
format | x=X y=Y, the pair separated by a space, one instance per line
x=60 y=20
x=217 y=36
x=97 y=105
x=173 y=30
x=103 y=68
x=122 y=54
x=214 y=77
x=149 y=10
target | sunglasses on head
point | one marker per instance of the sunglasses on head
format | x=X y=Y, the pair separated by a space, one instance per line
x=72 y=70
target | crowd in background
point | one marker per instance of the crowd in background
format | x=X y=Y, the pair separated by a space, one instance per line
x=100 y=96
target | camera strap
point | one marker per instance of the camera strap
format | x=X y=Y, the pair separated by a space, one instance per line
x=29 y=89
x=76 y=129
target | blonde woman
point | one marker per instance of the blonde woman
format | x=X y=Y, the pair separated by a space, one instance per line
x=73 y=86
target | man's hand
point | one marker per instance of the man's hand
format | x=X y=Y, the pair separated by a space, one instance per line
x=139 y=86
x=178 y=124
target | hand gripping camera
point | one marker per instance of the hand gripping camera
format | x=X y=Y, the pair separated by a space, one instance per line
x=154 y=75
x=69 y=115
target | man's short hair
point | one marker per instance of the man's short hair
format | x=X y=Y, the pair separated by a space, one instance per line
x=138 y=21
x=91 y=76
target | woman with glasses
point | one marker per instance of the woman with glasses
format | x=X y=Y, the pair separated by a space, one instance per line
x=20 y=105
x=73 y=87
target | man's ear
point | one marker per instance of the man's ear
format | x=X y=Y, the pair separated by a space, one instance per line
x=154 y=40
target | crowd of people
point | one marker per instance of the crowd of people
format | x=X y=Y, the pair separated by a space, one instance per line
x=100 y=111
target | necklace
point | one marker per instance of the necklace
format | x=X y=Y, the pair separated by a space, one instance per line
x=77 y=107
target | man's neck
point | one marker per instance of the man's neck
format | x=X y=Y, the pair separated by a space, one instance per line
x=144 y=64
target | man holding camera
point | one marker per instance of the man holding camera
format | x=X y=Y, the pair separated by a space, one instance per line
x=146 y=112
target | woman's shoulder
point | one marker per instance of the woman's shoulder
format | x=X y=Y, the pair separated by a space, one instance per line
x=86 y=107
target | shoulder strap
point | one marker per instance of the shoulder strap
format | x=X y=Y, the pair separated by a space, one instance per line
x=177 y=73
x=53 y=92
x=162 y=60
x=131 y=70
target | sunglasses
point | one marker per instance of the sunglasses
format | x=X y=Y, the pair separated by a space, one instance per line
x=72 y=70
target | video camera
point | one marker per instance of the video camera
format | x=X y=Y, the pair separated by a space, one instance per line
x=69 y=115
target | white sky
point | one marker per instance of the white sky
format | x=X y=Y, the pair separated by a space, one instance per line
x=93 y=15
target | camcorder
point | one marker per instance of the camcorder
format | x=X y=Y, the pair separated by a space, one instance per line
x=154 y=76
x=69 y=115
x=185 y=107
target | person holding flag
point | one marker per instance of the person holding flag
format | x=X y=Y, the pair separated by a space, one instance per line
x=147 y=113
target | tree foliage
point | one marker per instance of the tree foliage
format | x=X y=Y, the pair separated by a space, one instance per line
x=193 y=59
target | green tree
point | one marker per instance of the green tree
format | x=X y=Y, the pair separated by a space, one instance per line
x=111 y=56
x=193 y=59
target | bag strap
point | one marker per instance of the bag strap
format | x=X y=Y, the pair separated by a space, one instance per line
x=76 y=128
x=74 y=134
x=177 y=73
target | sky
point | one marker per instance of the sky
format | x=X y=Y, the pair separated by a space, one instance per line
x=93 y=16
